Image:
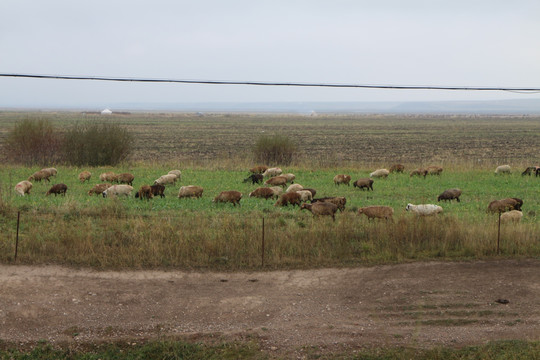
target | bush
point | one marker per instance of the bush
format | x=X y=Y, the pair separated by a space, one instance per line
x=97 y=144
x=34 y=142
x=274 y=149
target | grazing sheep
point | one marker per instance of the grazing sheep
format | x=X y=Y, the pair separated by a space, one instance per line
x=272 y=172
x=116 y=190
x=418 y=172
x=107 y=177
x=449 y=195
x=530 y=170
x=434 y=170
x=263 y=192
x=278 y=190
x=258 y=169
x=312 y=191
x=166 y=179
x=321 y=208
x=519 y=203
x=364 y=183
x=125 y=178
x=177 y=173
x=277 y=181
x=379 y=212
x=379 y=173
x=294 y=187
x=339 y=201
x=145 y=192
x=158 y=190
x=504 y=205
x=424 y=209
x=229 y=196
x=305 y=195
x=290 y=177
x=292 y=198
x=254 y=178
x=397 y=168
x=57 y=189
x=190 y=191
x=51 y=171
x=99 y=189
x=342 y=179
x=40 y=175
x=537 y=172
x=503 y=169
x=85 y=176
x=511 y=216
x=23 y=187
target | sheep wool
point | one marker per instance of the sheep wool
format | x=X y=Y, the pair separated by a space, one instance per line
x=424 y=209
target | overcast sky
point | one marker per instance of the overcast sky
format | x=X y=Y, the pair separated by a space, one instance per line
x=431 y=42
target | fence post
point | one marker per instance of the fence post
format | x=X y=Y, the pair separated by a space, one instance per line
x=499 y=234
x=17 y=236
x=262 y=256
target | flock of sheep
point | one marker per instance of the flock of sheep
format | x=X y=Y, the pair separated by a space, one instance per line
x=122 y=184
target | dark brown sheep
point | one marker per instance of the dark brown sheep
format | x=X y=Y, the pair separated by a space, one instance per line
x=339 y=201
x=125 y=178
x=263 y=192
x=321 y=208
x=364 y=183
x=531 y=170
x=277 y=181
x=397 y=168
x=258 y=169
x=254 y=178
x=145 y=192
x=231 y=196
x=292 y=198
x=449 y=195
x=99 y=189
x=158 y=189
x=57 y=189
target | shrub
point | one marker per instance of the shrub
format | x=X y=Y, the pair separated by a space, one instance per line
x=274 y=149
x=33 y=142
x=97 y=144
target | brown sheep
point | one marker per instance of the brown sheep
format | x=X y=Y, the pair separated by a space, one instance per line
x=277 y=181
x=258 y=169
x=418 y=172
x=364 y=183
x=125 y=178
x=263 y=192
x=85 y=176
x=231 y=196
x=519 y=203
x=339 y=201
x=292 y=198
x=145 y=192
x=190 y=191
x=51 y=171
x=312 y=191
x=398 y=168
x=158 y=189
x=379 y=212
x=321 y=208
x=99 y=188
x=57 y=189
x=449 y=195
x=434 y=170
x=40 y=175
x=503 y=205
x=342 y=179
x=107 y=177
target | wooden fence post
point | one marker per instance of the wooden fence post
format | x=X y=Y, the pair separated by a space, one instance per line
x=17 y=236
x=499 y=234
x=262 y=256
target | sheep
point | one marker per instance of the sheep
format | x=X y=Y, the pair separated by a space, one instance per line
x=537 y=172
x=263 y=192
x=519 y=203
x=177 y=173
x=57 y=189
x=434 y=170
x=292 y=198
x=229 y=196
x=116 y=190
x=364 y=183
x=379 y=212
x=503 y=169
x=398 y=168
x=312 y=191
x=166 y=179
x=305 y=195
x=278 y=190
x=294 y=187
x=85 y=176
x=511 y=216
x=278 y=180
x=23 y=187
x=125 y=178
x=342 y=179
x=424 y=209
x=99 y=188
x=321 y=208
x=530 y=170
x=190 y=191
x=158 y=190
x=418 y=172
x=379 y=173
x=449 y=195
x=51 y=171
x=254 y=178
x=107 y=177
x=339 y=201
x=290 y=177
x=503 y=205
x=145 y=192
x=272 y=172
x=40 y=175
x=258 y=169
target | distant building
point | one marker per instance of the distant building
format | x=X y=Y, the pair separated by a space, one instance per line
x=106 y=112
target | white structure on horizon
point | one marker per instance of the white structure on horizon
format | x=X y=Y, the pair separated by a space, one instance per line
x=106 y=112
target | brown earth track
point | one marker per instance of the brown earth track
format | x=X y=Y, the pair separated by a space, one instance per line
x=417 y=304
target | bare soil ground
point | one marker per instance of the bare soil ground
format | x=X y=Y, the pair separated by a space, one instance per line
x=417 y=304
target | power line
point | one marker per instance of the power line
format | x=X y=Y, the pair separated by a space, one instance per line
x=264 y=83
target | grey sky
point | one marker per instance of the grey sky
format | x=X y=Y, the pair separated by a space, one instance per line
x=432 y=42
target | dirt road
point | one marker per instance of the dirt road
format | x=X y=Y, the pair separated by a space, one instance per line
x=419 y=304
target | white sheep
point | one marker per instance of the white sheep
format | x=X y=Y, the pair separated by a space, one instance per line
x=116 y=190
x=424 y=209
x=380 y=173
x=503 y=169
x=23 y=187
x=166 y=179
x=272 y=172
x=511 y=216
x=290 y=177
x=278 y=190
x=305 y=195
x=294 y=187
x=178 y=174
